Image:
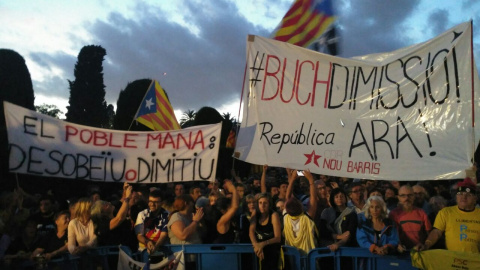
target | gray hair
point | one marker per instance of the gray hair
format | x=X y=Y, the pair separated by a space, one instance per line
x=366 y=208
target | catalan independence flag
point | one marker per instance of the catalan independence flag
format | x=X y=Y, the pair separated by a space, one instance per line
x=155 y=111
x=305 y=22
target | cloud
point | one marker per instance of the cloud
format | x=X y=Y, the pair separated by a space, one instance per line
x=438 y=21
x=57 y=68
x=374 y=26
x=202 y=69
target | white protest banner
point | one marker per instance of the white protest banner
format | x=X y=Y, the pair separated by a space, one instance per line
x=403 y=115
x=45 y=146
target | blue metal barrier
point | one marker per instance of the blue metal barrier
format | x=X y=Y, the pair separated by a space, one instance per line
x=216 y=257
x=358 y=258
x=236 y=257
x=292 y=258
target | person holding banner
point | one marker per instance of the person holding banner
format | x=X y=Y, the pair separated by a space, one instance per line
x=81 y=232
x=459 y=223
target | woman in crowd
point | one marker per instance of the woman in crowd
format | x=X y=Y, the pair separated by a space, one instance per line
x=375 y=231
x=339 y=222
x=81 y=232
x=182 y=226
x=265 y=233
x=248 y=209
x=110 y=228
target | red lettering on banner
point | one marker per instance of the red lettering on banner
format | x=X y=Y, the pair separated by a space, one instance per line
x=365 y=167
x=198 y=139
x=303 y=96
x=168 y=140
x=70 y=131
x=86 y=131
x=126 y=140
x=100 y=138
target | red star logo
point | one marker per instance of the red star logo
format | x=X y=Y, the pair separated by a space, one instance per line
x=313 y=157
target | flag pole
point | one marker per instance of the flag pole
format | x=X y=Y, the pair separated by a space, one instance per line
x=134 y=116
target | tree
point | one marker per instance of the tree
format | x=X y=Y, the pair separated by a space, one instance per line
x=228 y=117
x=206 y=116
x=188 y=118
x=15 y=87
x=48 y=109
x=127 y=105
x=87 y=91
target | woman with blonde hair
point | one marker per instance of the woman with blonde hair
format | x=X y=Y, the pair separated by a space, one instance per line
x=81 y=232
x=375 y=230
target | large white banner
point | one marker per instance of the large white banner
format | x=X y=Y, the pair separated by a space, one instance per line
x=402 y=115
x=44 y=146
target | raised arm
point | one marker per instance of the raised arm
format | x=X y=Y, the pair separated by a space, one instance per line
x=263 y=184
x=223 y=223
x=181 y=232
x=312 y=210
x=292 y=176
x=122 y=212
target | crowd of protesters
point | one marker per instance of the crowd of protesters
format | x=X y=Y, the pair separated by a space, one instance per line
x=278 y=207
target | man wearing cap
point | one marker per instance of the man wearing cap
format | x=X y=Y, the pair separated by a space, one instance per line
x=460 y=223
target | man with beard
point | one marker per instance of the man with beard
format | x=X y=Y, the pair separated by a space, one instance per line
x=412 y=223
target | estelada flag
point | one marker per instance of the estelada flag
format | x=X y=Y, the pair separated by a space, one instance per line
x=155 y=111
x=305 y=22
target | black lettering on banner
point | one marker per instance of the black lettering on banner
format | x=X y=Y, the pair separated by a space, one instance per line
x=12 y=149
x=25 y=125
x=124 y=167
x=32 y=160
x=56 y=161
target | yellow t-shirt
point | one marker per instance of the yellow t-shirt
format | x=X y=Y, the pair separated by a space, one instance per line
x=462 y=229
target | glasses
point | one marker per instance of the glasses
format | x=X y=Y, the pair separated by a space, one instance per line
x=468 y=194
x=154 y=202
x=358 y=191
x=406 y=195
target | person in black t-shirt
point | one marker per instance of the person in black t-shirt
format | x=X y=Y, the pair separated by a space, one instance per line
x=55 y=243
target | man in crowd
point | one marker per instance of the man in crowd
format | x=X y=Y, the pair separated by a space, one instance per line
x=357 y=196
x=195 y=192
x=44 y=218
x=179 y=190
x=460 y=223
x=412 y=222
x=421 y=199
x=151 y=225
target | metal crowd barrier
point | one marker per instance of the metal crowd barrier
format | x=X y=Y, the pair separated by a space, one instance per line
x=233 y=257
